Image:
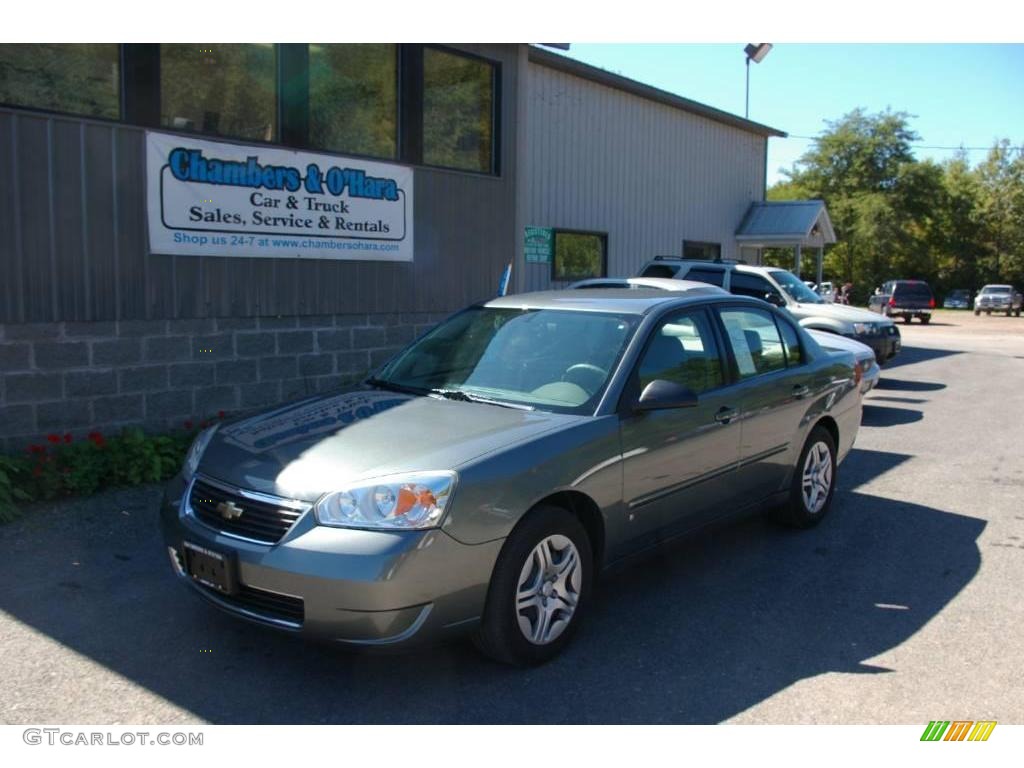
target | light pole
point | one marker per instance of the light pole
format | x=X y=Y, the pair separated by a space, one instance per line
x=756 y=53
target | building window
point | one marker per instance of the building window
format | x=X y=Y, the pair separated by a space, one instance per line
x=353 y=99
x=458 y=111
x=82 y=79
x=695 y=249
x=221 y=89
x=579 y=255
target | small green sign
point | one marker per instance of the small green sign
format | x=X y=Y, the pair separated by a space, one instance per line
x=538 y=244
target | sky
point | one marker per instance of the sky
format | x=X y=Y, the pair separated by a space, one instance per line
x=966 y=95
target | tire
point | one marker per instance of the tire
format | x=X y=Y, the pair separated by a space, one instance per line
x=502 y=632
x=988 y=312
x=1009 y=312
x=907 y=319
x=799 y=511
x=925 y=319
x=977 y=312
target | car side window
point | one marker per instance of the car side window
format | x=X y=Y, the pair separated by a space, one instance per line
x=683 y=350
x=791 y=343
x=755 y=341
x=744 y=284
x=706 y=275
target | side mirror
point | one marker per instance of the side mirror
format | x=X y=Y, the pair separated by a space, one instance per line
x=773 y=298
x=660 y=394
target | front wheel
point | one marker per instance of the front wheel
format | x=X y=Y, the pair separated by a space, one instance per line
x=539 y=589
x=925 y=319
x=977 y=312
x=810 y=493
x=906 y=319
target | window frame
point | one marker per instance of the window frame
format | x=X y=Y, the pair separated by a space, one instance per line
x=779 y=322
x=753 y=275
x=556 y=231
x=719 y=270
x=140 y=103
x=496 y=79
x=121 y=111
x=705 y=244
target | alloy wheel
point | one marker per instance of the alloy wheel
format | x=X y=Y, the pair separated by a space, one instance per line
x=548 y=589
x=817 y=477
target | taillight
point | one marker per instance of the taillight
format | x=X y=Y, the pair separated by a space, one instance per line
x=931 y=303
x=892 y=301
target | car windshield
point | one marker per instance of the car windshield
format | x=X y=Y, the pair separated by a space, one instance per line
x=554 y=360
x=996 y=289
x=793 y=286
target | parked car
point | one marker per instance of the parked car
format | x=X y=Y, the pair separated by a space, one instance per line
x=827 y=291
x=904 y=298
x=484 y=476
x=785 y=290
x=958 y=298
x=998 y=298
x=864 y=355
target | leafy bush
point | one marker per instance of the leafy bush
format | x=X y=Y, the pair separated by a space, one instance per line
x=63 y=466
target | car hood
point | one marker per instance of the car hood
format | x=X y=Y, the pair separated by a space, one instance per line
x=840 y=312
x=306 y=448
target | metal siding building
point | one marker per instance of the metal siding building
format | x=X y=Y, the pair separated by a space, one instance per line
x=97 y=331
x=648 y=173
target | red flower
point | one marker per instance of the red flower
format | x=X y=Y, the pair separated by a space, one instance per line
x=53 y=438
x=67 y=437
x=35 y=449
x=220 y=414
x=188 y=424
x=97 y=439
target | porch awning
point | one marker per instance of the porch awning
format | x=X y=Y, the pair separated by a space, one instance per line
x=785 y=224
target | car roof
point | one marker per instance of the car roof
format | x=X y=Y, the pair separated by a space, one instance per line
x=630 y=301
x=722 y=264
x=691 y=287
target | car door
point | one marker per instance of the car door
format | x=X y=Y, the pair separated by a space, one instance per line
x=678 y=462
x=775 y=384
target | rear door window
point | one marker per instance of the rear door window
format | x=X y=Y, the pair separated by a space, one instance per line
x=755 y=341
x=706 y=275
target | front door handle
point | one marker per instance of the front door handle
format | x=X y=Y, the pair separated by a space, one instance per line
x=800 y=391
x=726 y=414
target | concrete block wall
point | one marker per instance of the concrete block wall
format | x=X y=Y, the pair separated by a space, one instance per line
x=157 y=374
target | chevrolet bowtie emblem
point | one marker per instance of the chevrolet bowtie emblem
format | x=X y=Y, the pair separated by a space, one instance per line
x=229 y=510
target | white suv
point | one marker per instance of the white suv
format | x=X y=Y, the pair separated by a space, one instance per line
x=784 y=289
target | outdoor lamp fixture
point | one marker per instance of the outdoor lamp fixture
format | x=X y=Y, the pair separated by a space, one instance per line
x=755 y=53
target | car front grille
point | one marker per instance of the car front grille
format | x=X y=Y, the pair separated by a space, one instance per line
x=264 y=519
x=261 y=603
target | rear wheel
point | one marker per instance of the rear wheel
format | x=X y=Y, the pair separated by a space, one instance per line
x=977 y=312
x=926 y=319
x=906 y=319
x=539 y=589
x=810 y=494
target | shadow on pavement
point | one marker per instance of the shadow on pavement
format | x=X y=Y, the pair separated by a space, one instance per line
x=888 y=416
x=697 y=633
x=911 y=355
x=901 y=385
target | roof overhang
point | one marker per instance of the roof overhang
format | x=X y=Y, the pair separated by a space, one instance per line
x=786 y=224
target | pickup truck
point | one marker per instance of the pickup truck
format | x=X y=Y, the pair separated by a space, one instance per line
x=904 y=298
x=998 y=298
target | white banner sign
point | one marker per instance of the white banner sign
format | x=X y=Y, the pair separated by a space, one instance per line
x=210 y=198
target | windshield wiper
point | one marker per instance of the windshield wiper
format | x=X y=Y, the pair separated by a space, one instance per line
x=390 y=385
x=463 y=396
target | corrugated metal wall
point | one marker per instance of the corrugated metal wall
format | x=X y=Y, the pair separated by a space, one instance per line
x=647 y=174
x=73 y=243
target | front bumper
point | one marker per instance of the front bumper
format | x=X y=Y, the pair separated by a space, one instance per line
x=886 y=342
x=360 y=588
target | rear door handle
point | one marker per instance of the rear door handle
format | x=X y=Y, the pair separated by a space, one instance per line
x=800 y=391
x=726 y=414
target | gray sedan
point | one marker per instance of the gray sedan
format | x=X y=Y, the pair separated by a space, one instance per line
x=483 y=478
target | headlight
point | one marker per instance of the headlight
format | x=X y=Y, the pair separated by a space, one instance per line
x=410 y=501
x=195 y=453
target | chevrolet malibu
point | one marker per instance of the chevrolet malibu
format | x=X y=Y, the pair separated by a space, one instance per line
x=482 y=479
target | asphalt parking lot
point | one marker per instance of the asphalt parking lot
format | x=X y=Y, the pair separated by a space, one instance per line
x=903 y=607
